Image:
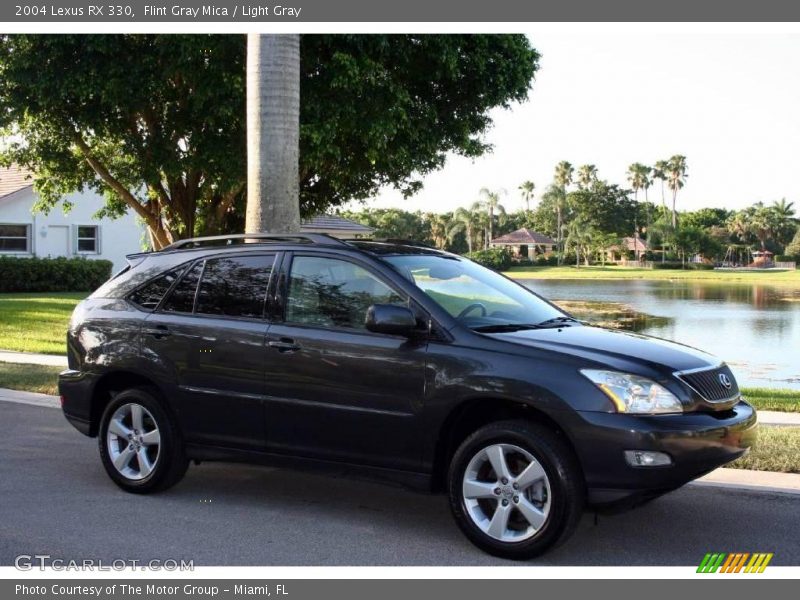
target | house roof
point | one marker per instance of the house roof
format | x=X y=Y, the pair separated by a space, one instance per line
x=334 y=223
x=632 y=243
x=14 y=179
x=524 y=236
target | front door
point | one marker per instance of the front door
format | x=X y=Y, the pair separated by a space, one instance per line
x=210 y=332
x=336 y=391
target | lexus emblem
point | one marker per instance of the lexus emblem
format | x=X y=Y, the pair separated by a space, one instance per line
x=725 y=381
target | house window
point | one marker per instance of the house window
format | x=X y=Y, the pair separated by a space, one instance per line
x=14 y=238
x=87 y=239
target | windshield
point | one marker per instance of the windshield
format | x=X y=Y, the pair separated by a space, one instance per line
x=476 y=296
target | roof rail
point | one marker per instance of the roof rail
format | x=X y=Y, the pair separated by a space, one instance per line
x=402 y=242
x=229 y=240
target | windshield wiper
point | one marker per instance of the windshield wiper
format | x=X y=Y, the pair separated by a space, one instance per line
x=504 y=327
x=557 y=321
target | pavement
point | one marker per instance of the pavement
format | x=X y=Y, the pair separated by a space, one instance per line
x=57 y=500
x=53 y=360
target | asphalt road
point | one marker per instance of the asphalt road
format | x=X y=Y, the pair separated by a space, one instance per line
x=56 y=499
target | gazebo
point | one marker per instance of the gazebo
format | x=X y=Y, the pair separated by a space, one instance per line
x=524 y=243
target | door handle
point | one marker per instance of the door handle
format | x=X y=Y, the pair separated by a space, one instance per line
x=158 y=331
x=284 y=345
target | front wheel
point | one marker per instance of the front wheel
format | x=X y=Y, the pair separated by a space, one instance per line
x=515 y=489
x=140 y=445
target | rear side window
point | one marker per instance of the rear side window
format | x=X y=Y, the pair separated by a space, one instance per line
x=235 y=286
x=182 y=297
x=149 y=295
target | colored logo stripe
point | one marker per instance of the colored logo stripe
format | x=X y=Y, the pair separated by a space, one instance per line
x=735 y=562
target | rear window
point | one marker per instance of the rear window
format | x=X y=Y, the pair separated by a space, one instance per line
x=149 y=295
x=182 y=297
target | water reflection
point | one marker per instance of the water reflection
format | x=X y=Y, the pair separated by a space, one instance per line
x=755 y=328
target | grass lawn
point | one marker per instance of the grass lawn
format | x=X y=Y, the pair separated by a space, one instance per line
x=36 y=322
x=776 y=449
x=29 y=378
x=769 y=399
x=614 y=272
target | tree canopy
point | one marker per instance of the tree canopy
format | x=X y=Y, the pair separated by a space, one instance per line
x=157 y=122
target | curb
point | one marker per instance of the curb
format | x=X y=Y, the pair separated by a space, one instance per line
x=756 y=481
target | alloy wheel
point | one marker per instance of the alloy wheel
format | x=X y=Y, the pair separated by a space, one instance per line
x=133 y=441
x=506 y=492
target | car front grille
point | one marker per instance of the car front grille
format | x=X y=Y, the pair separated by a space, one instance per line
x=709 y=383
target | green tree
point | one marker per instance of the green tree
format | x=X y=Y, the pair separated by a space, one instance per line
x=660 y=172
x=157 y=122
x=468 y=222
x=490 y=202
x=527 y=188
x=562 y=179
x=676 y=179
x=587 y=176
x=581 y=237
x=793 y=249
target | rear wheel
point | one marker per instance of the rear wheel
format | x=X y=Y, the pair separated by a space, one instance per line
x=515 y=489
x=140 y=445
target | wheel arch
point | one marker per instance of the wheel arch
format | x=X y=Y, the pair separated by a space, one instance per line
x=470 y=415
x=111 y=384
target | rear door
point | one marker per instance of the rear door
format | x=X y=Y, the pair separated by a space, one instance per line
x=336 y=391
x=210 y=333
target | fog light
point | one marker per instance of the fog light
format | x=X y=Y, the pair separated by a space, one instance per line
x=647 y=458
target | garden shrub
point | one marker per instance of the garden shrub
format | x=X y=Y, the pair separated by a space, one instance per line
x=52 y=274
x=498 y=259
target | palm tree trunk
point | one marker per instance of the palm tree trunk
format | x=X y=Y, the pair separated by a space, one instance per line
x=674 y=214
x=273 y=133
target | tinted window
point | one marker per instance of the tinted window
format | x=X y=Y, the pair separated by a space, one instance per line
x=182 y=297
x=333 y=293
x=149 y=295
x=235 y=287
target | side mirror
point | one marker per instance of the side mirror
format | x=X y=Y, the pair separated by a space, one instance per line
x=391 y=319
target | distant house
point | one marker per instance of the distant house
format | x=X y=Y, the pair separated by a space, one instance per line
x=525 y=243
x=618 y=252
x=24 y=233
x=335 y=226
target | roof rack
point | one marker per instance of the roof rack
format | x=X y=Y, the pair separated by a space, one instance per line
x=402 y=242
x=229 y=240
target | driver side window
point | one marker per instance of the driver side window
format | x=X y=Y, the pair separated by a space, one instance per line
x=328 y=292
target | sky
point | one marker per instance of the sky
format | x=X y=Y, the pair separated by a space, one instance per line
x=729 y=102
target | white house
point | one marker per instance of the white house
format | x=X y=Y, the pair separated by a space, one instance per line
x=25 y=233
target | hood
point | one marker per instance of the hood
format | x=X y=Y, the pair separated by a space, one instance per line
x=614 y=349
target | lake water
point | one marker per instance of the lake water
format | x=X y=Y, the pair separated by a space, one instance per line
x=754 y=328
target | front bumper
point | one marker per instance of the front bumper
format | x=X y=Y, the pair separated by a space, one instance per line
x=697 y=442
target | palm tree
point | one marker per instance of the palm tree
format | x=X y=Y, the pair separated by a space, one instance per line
x=273 y=133
x=490 y=201
x=563 y=177
x=638 y=176
x=465 y=220
x=660 y=173
x=580 y=235
x=676 y=178
x=527 y=187
x=785 y=221
x=439 y=226
x=587 y=175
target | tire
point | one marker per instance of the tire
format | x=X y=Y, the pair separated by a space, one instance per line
x=541 y=512
x=139 y=435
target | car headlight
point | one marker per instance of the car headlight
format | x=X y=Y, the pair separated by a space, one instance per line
x=633 y=394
